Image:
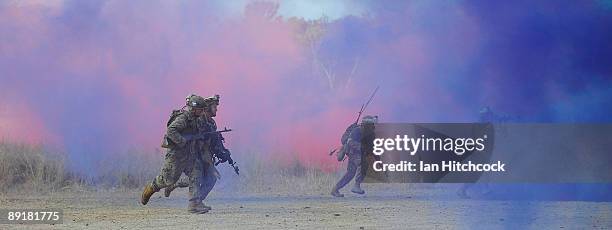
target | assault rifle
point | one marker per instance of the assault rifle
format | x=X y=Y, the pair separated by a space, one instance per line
x=204 y=135
x=363 y=107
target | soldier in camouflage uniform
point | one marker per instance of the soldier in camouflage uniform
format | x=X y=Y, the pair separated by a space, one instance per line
x=353 y=149
x=486 y=115
x=181 y=154
x=212 y=147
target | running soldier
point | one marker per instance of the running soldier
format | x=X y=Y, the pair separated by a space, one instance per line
x=182 y=127
x=352 y=147
x=212 y=147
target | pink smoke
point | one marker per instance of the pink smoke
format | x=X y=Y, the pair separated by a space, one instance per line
x=112 y=76
x=101 y=77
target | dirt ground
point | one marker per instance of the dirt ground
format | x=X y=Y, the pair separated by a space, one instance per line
x=379 y=209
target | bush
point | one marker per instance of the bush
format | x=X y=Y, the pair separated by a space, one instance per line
x=33 y=168
x=30 y=167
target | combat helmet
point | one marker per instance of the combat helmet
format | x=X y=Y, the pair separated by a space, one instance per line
x=195 y=101
x=369 y=119
x=213 y=100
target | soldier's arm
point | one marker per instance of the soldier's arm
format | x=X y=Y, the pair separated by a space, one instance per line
x=174 y=129
x=354 y=141
x=213 y=124
x=207 y=158
x=216 y=143
x=219 y=149
x=353 y=144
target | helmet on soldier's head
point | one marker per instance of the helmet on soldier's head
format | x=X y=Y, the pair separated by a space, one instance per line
x=369 y=119
x=486 y=109
x=195 y=101
x=214 y=100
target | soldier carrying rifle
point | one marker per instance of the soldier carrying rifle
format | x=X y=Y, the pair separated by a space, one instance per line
x=212 y=149
x=352 y=147
x=189 y=151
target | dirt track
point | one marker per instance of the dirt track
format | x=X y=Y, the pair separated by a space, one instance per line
x=375 y=211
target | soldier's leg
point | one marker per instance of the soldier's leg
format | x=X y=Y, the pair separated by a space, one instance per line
x=183 y=182
x=168 y=175
x=208 y=182
x=194 y=172
x=194 y=175
x=360 y=176
x=348 y=176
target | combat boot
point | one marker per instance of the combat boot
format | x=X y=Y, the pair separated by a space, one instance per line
x=149 y=189
x=336 y=193
x=357 y=189
x=197 y=207
x=207 y=207
x=169 y=190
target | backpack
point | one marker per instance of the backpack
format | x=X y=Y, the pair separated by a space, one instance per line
x=175 y=113
x=347 y=133
x=344 y=140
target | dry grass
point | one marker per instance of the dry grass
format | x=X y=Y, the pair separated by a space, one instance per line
x=35 y=169
x=263 y=176
x=130 y=170
x=31 y=168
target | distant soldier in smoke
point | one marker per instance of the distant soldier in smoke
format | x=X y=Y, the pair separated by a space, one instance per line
x=212 y=147
x=182 y=128
x=485 y=115
x=352 y=147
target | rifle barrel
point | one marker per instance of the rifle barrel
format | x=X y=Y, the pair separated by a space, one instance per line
x=364 y=106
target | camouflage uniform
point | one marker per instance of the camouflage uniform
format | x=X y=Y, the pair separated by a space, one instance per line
x=354 y=152
x=182 y=142
x=486 y=115
x=209 y=175
x=181 y=156
x=354 y=161
x=208 y=178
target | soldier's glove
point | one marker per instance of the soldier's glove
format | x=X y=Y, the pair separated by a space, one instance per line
x=221 y=160
x=224 y=156
x=342 y=153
